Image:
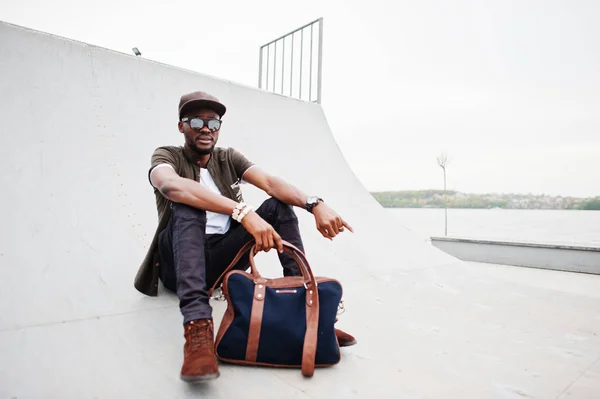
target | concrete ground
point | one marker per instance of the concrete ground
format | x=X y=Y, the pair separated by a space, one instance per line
x=79 y=215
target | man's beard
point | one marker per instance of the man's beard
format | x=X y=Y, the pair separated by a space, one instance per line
x=201 y=151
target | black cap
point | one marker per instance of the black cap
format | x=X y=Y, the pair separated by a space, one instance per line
x=200 y=99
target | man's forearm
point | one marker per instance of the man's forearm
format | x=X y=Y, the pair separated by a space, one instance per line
x=191 y=193
x=286 y=193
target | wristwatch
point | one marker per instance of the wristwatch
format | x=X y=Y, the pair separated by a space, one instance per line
x=311 y=202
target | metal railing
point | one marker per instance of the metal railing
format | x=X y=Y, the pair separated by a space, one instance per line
x=286 y=64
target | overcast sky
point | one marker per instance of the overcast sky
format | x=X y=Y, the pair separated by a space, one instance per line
x=510 y=89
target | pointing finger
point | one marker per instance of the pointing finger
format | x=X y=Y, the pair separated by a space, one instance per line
x=347 y=226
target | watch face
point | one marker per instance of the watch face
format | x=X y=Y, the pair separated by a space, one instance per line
x=312 y=200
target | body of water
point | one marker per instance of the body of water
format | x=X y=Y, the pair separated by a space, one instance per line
x=551 y=226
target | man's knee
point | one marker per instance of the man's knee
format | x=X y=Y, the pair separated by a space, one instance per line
x=278 y=210
x=186 y=212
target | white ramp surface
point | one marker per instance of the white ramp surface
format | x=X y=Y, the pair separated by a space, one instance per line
x=78 y=125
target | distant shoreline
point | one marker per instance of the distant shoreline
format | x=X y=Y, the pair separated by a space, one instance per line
x=492 y=209
x=435 y=199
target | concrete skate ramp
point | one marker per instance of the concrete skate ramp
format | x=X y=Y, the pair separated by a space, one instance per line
x=78 y=125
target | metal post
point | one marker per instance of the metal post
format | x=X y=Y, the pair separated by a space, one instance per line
x=268 y=65
x=319 y=77
x=301 y=54
x=445 y=206
x=282 y=65
x=260 y=66
x=275 y=66
x=311 y=68
x=292 y=66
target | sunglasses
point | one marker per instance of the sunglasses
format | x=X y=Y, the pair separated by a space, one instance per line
x=198 y=123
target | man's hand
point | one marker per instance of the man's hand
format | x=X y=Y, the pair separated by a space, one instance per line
x=329 y=223
x=264 y=234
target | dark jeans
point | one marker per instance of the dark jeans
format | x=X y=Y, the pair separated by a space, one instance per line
x=191 y=260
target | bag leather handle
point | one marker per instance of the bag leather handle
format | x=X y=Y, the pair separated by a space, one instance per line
x=287 y=247
x=295 y=253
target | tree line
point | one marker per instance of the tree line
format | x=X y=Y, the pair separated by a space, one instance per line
x=454 y=199
x=591 y=205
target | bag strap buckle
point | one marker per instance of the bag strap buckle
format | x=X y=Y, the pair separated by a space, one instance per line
x=341 y=308
x=218 y=294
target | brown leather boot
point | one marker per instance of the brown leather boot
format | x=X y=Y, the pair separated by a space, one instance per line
x=199 y=359
x=344 y=339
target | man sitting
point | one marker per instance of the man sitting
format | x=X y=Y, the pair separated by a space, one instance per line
x=204 y=222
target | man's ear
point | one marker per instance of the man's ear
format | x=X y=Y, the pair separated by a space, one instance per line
x=180 y=126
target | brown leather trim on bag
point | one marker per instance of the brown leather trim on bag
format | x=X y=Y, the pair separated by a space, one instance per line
x=279 y=366
x=227 y=317
x=289 y=281
x=258 y=303
x=309 y=350
x=286 y=282
x=295 y=281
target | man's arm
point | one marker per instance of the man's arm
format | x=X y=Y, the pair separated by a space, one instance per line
x=329 y=223
x=275 y=187
x=189 y=192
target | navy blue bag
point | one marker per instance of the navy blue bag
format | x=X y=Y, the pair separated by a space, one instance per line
x=280 y=322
